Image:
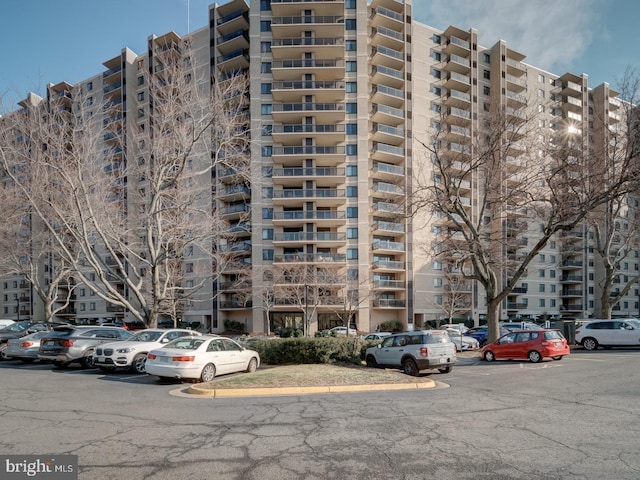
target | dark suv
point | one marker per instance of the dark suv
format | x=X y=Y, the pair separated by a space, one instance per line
x=21 y=329
x=75 y=344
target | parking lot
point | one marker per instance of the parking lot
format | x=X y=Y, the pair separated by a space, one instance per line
x=577 y=418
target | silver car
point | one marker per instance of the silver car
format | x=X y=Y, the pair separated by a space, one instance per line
x=24 y=348
x=75 y=344
x=414 y=351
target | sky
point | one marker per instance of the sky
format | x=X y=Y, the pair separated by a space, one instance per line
x=49 y=42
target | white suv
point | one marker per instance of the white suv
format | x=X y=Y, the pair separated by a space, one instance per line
x=414 y=351
x=132 y=353
x=616 y=332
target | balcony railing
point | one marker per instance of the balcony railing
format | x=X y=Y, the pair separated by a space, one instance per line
x=307 y=42
x=310 y=193
x=304 y=128
x=309 y=236
x=310 y=258
x=308 y=172
x=310 y=215
x=307 y=19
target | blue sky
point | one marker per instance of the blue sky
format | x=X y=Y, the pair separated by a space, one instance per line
x=48 y=42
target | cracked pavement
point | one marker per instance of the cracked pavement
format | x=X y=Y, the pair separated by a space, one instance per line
x=575 y=419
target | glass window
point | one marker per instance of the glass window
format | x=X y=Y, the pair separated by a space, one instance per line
x=265 y=89
x=352 y=212
x=350 y=4
x=350 y=45
x=267 y=233
x=351 y=87
x=265 y=47
x=352 y=191
x=265 y=25
x=351 y=66
x=350 y=24
x=267 y=150
x=267 y=213
x=266 y=109
x=352 y=128
x=265 y=5
x=352 y=233
x=265 y=67
x=352 y=253
x=352 y=171
x=267 y=130
x=352 y=149
x=267 y=254
x=351 y=108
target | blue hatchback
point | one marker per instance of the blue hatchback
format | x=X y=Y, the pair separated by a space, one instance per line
x=481 y=333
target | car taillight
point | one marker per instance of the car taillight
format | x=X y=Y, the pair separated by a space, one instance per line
x=151 y=356
x=26 y=344
x=424 y=352
x=67 y=343
x=183 y=358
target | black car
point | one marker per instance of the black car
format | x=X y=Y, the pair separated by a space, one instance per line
x=21 y=329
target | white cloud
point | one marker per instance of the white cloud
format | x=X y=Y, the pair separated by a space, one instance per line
x=552 y=34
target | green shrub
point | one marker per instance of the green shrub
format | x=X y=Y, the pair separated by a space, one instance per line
x=304 y=350
x=391 y=326
x=234 y=326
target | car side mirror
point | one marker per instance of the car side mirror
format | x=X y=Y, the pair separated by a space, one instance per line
x=164 y=340
x=379 y=345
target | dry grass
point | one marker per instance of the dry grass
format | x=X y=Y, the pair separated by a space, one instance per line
x=320 y=375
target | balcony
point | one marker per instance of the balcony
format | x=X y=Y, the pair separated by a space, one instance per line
x=322 y=218
x=236 y=211
x=323 y=91
x=571 y=89
x=290 y=26
x=389 y=285
x=235 y=304
x=235 y=247
x=295 y=112
x=458 y=116
x=388 y=227
x=233 y=21
x=388 y=115
x=322 y=258
x=387 y=265
x=321 y=47
x=458 y=99
x=238 y=39
x=515 y=68
x=387 y=37
x=381 y=246
x=322 y=69
x=323 y=197
x=323 y=176
x=296 y=133
x=386 y=171
x=387 y=190
x=387 y=134
x=457 y=81
x=235 y=60
x=387 y=76
x=516 y=84
x=323 y=239
x=285 y=7
x=388 y=57
x=387 y=209
x=325 y=155
x=233 y=193
x=458 y=64
x=455 y=45
x=515 y=100
x=387 y=153
x=388 y=303
x=381 y=16
x=393 y=97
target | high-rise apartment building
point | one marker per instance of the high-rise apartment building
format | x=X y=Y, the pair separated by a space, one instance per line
x=344 y=95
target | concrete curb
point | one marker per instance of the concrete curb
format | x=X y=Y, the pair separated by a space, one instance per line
x=258 y=392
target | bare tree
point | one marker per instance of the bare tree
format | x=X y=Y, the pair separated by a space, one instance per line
x=521 y=183
x=616 y=224
x=456 y=299
x=143 y=222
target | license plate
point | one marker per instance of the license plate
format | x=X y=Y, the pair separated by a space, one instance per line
x=443 y=360
x=50 y=342
x=163 y=359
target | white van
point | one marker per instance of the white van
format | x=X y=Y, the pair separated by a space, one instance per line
x=615 y=332
x=5 y=322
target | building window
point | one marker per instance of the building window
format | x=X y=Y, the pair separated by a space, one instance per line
x=267 y=192
x=89 y=100
x=265 y=88
x=352 y=233
x=140 y=96
x=267 y=254
x=266 y=109
x=350 y=4
x=350 y=45
x=436 y=56
x=267 y=130
x=540 y=93
x=486 y=90
x=267 y=233
x=267 y=150
x=437 y=91
x=351 y=171
x=352 y=129
x=552 y=288
x=267 y=171
x=89 y=86
x=541 y=273
x=552 y=273
x=352 y=212
x=351 y=66
x=265 y=25
x=437 y=299
x=437 y=265
x=351 y=108
x=552 y=302
x=541 y=302
x=352 y=149
x=436 y=38
x=486 y=74
x=486 y=58
x=92 y=306
x=540 y=78
x=541 y=288
x=351 y=87
x=352 y=191
x=188 y=267
x=436 y=73
x=352 y=253
x=265 y=5
x=267 y=213
x=350 y=24
x=265 y=67
x=265 y=47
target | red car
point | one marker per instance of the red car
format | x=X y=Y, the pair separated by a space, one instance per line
x=533 y=345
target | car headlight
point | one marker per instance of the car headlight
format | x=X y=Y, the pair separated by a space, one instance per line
x=125 y=350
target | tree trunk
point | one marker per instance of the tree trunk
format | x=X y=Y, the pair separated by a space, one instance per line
x=493 y=320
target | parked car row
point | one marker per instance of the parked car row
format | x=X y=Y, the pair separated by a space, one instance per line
x=166 y=353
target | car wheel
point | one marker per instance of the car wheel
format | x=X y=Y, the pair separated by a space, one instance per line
x=87 y=361
x=138 y=364
x=489 y=356
x=253 y=365
x=208 y=372
x=559 y=357
x=3 y=356
x=27 y=360
x=446 y=369
x=410 y=368
x=534 y=356
x=590 y=343
x=371 y=361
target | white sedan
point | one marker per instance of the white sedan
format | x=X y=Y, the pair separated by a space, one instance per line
x=201 y=358
x=462 y=342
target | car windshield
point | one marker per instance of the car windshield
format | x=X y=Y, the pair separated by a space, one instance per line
x=635 y=323
x=146 y=337
x=553 y=335
x=185 y=343
x=16 y=327
x=436 y=337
